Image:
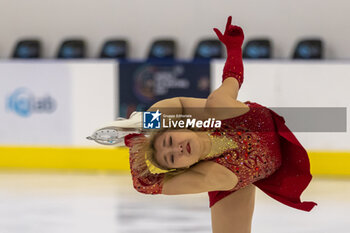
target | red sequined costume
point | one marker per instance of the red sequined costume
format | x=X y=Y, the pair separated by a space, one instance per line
x=268 y=155
x=151 y=184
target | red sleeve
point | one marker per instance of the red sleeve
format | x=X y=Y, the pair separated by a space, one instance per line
x=149 y=184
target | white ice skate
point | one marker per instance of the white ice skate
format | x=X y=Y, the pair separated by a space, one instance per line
x=114 y=132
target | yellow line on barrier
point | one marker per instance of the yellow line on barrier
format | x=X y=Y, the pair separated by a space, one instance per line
x=117 y=159
x=330 y=162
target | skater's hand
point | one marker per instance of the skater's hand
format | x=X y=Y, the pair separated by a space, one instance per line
x=233 y=36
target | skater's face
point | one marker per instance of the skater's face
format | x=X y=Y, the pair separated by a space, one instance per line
x=177 y=148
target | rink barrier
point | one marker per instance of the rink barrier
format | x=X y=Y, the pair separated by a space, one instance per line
x=117 y=159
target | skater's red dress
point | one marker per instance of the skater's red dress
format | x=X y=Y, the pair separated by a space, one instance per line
x=264 y=151
x=266 y=154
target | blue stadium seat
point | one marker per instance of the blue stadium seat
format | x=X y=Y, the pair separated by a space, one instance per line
x=309 y=49
x=117 y=49
x=72 y=49
x=258 y=49
x=162 y=49
x=27 y=49
x=208 y=49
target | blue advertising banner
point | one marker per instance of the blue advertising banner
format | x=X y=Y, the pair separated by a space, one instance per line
x=141 y=84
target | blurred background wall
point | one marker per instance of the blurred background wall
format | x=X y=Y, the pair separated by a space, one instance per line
x=141 y=21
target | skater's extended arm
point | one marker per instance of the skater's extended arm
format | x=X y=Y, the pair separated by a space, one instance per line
x=206 y=176
x=170 y=106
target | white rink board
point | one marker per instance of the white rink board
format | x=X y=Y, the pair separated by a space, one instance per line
x=297 y=84
x=55 y=103
x=95 y=98
x=86 y=94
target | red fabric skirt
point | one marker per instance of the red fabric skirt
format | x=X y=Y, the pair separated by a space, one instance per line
x=291 y=179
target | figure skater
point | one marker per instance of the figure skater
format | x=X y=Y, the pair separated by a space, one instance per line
x=252 y=148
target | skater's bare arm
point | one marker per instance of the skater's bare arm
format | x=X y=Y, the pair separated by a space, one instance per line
x=171 y=106
x=182 y=105
x=204 y=177
x=223 y=104
x=220 y=104
x=228 y=89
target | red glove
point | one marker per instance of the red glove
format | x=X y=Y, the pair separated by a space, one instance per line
x=233 y=40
